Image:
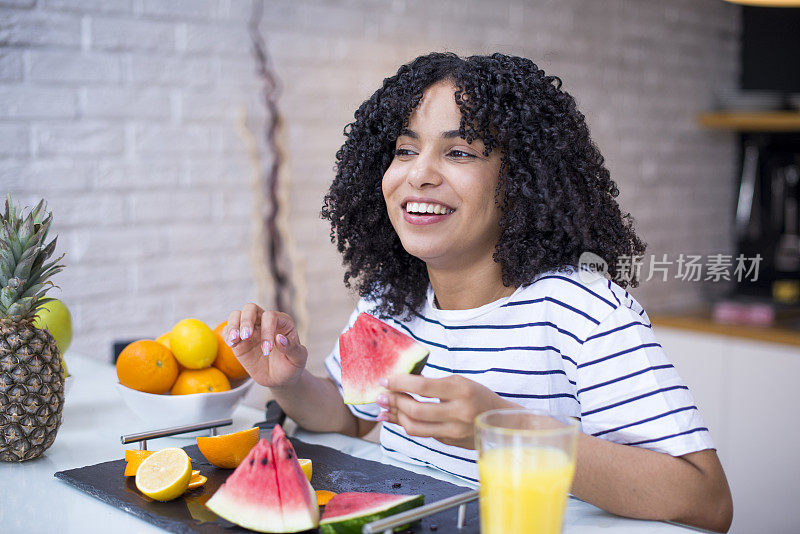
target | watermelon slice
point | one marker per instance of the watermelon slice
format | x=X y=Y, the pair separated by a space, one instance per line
x=346 y=513
x=371 y=350
x=298 y=500
x=268 y=492
x=249 y=497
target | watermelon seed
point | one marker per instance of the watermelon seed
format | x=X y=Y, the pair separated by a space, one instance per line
x=264 y=461
x=251 y=461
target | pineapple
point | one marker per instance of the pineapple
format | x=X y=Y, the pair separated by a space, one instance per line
x=31 y=378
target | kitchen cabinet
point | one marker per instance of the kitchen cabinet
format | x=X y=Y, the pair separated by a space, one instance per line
x=748 y=395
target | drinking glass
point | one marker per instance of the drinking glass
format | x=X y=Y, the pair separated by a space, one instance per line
x=526 y=461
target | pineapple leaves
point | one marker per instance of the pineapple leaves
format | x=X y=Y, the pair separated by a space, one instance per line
x=35 y=212
x=33 y=291
x=8 y=296
x=26 y=231
x=9 y=236
x=9 y=214
x=47 y=251
x=25 y=263
x=24 y=270
x=21 y=309
x=48 y=270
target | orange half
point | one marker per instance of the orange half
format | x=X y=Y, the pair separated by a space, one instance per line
x=228 y=450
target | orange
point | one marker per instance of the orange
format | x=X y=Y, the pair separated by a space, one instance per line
x=226 y=361
x=147 y=366
x=228 y=450
x=323 y=496
x=133 y=459
x=209 y=380
x=197 y=481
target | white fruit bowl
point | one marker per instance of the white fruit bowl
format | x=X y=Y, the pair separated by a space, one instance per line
x=164 y=411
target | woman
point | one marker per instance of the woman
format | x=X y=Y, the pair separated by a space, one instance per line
x=465 y=193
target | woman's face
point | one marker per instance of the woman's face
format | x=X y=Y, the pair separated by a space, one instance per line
x=437 y=172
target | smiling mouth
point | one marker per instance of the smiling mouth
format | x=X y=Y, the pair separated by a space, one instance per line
x=427 y=208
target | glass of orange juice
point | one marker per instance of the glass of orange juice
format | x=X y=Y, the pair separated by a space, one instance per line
x=526 y=460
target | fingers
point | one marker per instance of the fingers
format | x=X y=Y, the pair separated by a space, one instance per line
x=431 y=424
x=397 y=403
x=447 y=388
x=278 y=331
x=251 y=315
x=231 y=330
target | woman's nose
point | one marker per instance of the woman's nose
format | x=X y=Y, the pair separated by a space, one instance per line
x=424 y=173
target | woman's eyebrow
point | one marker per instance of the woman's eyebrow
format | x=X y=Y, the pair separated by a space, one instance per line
x=448 y=134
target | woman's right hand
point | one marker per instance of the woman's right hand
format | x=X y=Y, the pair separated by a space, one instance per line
x=266 y=344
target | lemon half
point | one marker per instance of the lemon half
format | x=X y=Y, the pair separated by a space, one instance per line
x=165 y=474
x=305 y=465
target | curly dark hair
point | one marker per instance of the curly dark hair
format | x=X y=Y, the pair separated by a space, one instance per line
x=557 y=199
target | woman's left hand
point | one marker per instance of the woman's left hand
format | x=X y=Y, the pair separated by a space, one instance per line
x=451 y=420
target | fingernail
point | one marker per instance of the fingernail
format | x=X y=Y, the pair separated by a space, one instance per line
x=383 y=416
x=384 y=382
x=245 y=333
x=232 y=335
x=282 y=340
x=265 y=348
x=383 y=400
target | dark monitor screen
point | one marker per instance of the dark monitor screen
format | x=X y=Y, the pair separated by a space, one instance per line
x=771 y=49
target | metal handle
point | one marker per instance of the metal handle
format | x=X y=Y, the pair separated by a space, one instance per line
x=142 y=437
x=387 y=525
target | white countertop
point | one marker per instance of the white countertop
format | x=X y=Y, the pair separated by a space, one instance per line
x=32 y=500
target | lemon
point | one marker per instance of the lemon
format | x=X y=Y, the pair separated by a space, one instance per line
x=165 y=474
x=305 y=465
x=193 y=343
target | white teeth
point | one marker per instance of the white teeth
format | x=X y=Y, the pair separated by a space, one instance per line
x=424 y=207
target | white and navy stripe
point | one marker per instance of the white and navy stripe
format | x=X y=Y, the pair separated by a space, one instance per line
x=563 y=345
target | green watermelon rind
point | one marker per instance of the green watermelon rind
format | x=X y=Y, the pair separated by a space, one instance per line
x=352 y=523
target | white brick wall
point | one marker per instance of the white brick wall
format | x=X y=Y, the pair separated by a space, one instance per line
x=116 y=112
x=123 y=115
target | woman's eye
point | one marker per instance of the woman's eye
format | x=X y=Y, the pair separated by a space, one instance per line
x=461 y=154
x=403 y=152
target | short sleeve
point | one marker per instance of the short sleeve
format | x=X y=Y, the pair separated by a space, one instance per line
x=631 y=394
x=333 y=364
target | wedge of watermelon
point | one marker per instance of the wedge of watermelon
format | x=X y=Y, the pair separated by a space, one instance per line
x=346 y=513
x=268 y=491
x=298 y=499
x=249 y=497
x=371 y=350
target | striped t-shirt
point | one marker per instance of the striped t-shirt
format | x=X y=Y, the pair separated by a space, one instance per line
x=563 y=344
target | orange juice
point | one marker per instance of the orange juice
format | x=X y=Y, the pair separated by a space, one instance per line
x=524 y=489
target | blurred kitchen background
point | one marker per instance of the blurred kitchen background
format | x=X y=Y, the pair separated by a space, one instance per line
x=145 y=125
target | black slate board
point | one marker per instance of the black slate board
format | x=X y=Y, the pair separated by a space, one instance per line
x=333 y=470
